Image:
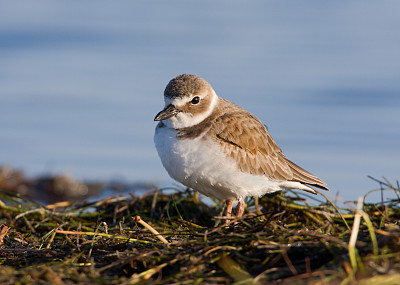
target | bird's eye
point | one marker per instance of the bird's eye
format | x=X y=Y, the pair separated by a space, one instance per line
x=195 y=100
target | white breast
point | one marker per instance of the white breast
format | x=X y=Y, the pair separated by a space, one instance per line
x=201 y=165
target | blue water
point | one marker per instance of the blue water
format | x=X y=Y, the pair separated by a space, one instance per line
x=81 y=81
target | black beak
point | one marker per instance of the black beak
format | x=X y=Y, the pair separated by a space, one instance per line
x=167 y=113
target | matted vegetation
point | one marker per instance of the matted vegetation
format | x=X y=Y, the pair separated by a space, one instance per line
x=170 y=236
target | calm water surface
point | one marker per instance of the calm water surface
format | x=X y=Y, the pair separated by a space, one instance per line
x=80 y=82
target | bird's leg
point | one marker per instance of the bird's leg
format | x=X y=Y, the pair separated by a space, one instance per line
x=240 y=207
x=229 y=205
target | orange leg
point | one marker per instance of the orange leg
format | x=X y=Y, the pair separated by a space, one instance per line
x=240 y=208
x=229 y=205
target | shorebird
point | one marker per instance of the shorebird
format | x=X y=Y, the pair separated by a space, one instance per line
x=219 y=149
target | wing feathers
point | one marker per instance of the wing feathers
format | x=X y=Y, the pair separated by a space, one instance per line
x=247 y=141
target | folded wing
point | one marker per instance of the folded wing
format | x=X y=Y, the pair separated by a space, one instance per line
x=245 y=139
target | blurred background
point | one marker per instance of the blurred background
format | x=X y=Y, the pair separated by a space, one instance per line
x=81 y=81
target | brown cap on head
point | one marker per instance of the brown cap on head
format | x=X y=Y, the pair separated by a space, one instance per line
x=185 y=84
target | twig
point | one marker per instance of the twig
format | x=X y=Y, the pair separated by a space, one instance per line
x=288 y=261
x=45 y=211
x=354 y=234
x=139 y=220
x=103 y=235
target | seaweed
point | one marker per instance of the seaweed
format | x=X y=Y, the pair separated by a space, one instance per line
x=173 y=236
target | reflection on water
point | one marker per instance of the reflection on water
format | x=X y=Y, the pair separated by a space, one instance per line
x=80 y=84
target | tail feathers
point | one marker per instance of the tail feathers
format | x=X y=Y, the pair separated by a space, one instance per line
x=312 y=190
x=306 y=178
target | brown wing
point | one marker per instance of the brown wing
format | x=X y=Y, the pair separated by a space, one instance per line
x=246 y=140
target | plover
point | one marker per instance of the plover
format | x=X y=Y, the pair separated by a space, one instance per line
x=219 y=149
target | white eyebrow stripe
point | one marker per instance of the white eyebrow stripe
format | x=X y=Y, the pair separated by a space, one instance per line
x=177 y=102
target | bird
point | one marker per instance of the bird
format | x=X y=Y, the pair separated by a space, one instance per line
x=221 y=150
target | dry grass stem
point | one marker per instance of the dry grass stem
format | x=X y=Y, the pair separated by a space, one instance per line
x=139 y=220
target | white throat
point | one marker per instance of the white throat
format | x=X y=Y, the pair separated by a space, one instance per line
x=186 y=120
